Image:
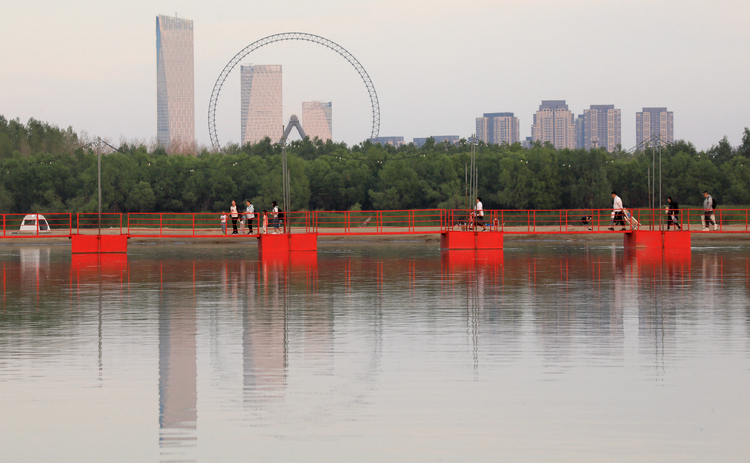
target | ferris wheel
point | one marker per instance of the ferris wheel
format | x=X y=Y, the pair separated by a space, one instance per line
x=287 y=36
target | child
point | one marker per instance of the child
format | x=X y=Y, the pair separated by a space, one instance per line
x=223 y=219
x=265 y=221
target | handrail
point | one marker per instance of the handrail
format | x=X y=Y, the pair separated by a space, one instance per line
x=407 y=221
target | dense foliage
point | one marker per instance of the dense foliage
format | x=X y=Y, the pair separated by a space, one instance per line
x=46 y=169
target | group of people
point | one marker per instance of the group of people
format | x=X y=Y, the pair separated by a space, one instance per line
x=673 y=213
x=246 y=219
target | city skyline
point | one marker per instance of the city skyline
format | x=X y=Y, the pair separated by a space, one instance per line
x=105 y=86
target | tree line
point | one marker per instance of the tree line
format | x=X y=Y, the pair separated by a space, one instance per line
x=47 y=169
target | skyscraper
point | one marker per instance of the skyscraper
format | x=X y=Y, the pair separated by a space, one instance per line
x=602 y=127
x=175 y=83
x=260 y=103
x=498 y=128
x=554 y=123
x=654 y=124
x=316 y=120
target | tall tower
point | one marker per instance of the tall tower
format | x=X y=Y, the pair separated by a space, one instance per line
x=654 y=124
x=260 y=103
x=602 y=127
x=498 y=128
x=317 y=119
x=175 y=83
x=554 y=123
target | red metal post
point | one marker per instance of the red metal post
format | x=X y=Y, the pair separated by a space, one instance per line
x=722 y=228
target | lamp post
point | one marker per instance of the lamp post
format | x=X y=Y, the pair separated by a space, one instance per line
x=99 y=179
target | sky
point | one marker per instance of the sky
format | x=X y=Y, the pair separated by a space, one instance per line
x=436 y=65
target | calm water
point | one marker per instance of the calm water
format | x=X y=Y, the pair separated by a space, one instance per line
x=375 y=352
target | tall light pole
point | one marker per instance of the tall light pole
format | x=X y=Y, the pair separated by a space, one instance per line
x=99 y=178
x=286 y=184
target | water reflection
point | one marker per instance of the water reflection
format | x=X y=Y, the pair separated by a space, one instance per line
x=305 y=346
x=178 y=395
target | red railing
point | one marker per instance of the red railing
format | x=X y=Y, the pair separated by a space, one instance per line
x=89 y=223
x=33 y=225
x=379 y=222
x=422 y=221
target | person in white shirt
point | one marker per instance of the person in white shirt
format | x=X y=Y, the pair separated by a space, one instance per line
x=233 y=214
x=249 y=216
x=708 y=212
x=479 y=215
x=223 y=219
x=618 y=210
x=275 y=214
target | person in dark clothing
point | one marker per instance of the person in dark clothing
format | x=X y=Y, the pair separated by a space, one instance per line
x=673 y=214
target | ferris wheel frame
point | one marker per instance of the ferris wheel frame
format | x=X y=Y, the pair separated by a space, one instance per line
x=286 y=36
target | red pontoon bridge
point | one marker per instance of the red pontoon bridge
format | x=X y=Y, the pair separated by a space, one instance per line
x=459 y=229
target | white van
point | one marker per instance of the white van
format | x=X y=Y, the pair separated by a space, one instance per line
x=29 y=224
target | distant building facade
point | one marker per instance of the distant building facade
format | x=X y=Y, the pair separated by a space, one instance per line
x=554 y=123
x=498 y=128
x=452 y=139
x=261 y=103
x=317 y=120
x=175 y=82
x=395 y=141
x=600 y=126
x=654 y=124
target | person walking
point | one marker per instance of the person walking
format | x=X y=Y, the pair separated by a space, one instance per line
x=479 y=215
x=618 y=211
x=275 y=215
x=249 y=216
x=708 y=210
x=233 y=214
x=223 y=219
x=673 y=214
x=265 y=221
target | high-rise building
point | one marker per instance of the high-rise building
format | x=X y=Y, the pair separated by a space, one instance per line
x=554 y=123
x=175 y=83
x=580 y=131
x=260 y=103
x=317 y=120
x=654 y=124
x=600 y=126
x=498 y=128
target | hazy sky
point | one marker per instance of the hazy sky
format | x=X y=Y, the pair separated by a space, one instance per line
x=436 y=65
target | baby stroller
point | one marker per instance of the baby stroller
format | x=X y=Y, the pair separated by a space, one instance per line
x=630 y=220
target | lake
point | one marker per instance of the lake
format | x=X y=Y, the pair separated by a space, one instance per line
x=375 y=352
